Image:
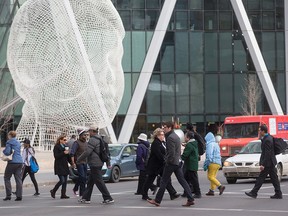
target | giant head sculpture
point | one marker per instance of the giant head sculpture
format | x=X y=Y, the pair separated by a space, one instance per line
x=65 y=60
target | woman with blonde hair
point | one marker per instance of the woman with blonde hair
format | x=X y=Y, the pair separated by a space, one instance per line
x=61 y=155
x=14 y=166
x=156 y=164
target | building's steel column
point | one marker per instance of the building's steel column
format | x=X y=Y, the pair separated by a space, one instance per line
x=286 y=50
x=146 y=71
x=257 y=57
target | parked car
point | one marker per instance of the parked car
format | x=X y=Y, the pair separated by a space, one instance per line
x=245 y=164
x=123 y=157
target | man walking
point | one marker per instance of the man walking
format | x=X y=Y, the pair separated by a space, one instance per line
x=267 y=165
x=95 y=163
x=78 y=148
x=173 y=164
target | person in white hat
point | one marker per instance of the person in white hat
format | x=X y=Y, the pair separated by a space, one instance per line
x=142 y=155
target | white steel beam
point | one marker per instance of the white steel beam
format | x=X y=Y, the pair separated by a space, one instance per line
x=146 y=71
x=286 y=50
x=257 y=57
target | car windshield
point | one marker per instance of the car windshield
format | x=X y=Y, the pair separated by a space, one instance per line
x=251 y=148
x=115 y=150
x=243 y=130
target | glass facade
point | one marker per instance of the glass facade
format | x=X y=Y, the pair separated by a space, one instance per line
x=202 y=64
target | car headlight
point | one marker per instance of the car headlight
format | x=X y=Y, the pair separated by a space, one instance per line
x=224 y=148
x=227 y=163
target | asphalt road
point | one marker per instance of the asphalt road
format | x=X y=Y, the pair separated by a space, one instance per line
x=232 y=202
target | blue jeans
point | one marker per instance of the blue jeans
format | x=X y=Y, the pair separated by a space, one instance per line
x=82 y=178
x=166 y=178
x=95 y=177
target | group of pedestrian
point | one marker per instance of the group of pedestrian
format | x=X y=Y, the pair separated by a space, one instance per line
x=162 y=159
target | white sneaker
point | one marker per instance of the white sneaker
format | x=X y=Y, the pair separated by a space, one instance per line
x=84 y=201
x=108 y=201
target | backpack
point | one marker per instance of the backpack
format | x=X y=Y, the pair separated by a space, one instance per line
x=279 y=145
x=201 y=143
x=34 y=167
x=104 y=153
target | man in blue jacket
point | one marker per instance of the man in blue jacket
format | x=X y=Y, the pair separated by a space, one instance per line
x=267 y=165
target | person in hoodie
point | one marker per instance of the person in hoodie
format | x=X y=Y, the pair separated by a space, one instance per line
x=14 y=166
x=142 y=154
x=212 y=164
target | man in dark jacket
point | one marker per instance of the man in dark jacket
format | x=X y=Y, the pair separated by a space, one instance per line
x=267 y=165
x=95 y=163
x=173 y=164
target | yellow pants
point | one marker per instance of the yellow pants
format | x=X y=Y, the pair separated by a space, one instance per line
x=212 y=174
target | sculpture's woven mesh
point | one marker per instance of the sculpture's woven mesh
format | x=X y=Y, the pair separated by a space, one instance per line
x=65 y=86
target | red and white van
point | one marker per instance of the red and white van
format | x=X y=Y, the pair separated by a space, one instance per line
x=239 y=130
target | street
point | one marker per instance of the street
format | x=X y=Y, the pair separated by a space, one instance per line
x=232 y=202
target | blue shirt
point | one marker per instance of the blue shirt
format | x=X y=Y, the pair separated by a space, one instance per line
x=13 y=144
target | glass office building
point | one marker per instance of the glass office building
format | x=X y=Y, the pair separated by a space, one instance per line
x=202 y=65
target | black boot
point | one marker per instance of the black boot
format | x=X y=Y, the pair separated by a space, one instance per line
x=63 y=195
x=52 y=192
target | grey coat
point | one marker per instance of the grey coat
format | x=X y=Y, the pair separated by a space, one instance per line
x=173 y=148
x=92 y=152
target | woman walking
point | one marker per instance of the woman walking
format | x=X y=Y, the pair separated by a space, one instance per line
x=212 y=164
x=61 y=155
x=27 y=153
x=14 y=166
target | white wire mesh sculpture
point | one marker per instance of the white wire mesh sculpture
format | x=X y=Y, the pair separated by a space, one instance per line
x=65 y=59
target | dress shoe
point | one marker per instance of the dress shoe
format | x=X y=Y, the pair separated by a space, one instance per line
x=251 y=195
x=188 y=203
x=153 y=202
x=52 y=192
x=7 y=198
x=36 y=194
x=64 y=197
x=197 y=196
x=276 y=196
x=221 y=189
x=18 y=199
x=210 y=193
x=175 y=196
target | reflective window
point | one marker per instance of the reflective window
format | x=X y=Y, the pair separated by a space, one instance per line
x=253 y=4
x=255 y=19
x=211 y=93
x=138 y=20
x=280 y=50
x=181 y=4
x=182 y=93
x=211 y=51
x=153 y=4
x=268 y=4
x=196 y=93
x=138 y=50
x=240 y=60
x=196 y=4
x=138 y=4
x=167 y=53
x=238 y=85
x=210 y=20
x=210 y=4
x=181 y=20
x=181 y=52
x=151 y=19
x=268 y=49
x=123 y=4
x=225 y=20
x=126 y=18
x=224 y=5
x=168 y=94
x=154 y=95
x=225 y=52
x=127 y=58
x=196 y=20
x=127 y=95
x=226 y=93
x=268 y=19
x=196 y=51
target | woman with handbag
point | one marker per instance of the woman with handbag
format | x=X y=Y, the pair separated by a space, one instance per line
x=27 y=153
x=14 y=166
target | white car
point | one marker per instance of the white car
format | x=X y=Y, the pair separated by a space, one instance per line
x=245 y=164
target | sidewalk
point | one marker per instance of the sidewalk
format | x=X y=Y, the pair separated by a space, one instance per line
x=45 y=175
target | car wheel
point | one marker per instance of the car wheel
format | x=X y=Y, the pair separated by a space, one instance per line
x=231 y=180
x=279 y=171
x=115 y=174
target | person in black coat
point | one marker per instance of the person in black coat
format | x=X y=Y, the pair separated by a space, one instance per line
x=156 y=164
x=61 y=155
x=267 y=165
